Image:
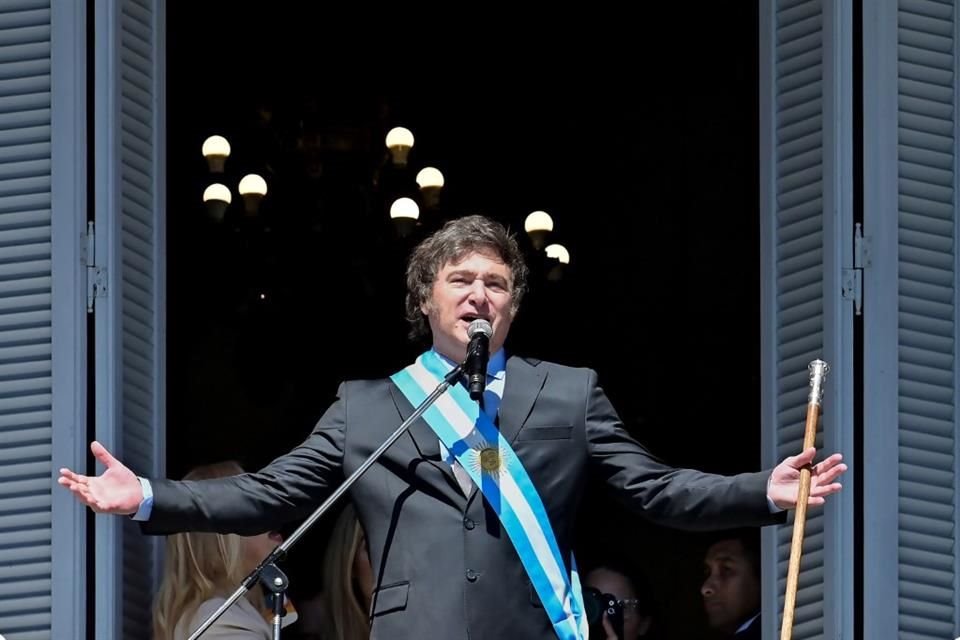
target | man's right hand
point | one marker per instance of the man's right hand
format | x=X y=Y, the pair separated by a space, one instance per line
x=117 y=490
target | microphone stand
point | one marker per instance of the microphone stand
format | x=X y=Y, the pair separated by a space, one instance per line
x=273 y=579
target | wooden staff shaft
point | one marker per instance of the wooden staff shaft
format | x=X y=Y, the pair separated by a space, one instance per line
x=799 y=522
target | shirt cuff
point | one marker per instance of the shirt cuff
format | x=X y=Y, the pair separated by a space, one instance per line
x=146 y=505
x=770 y=503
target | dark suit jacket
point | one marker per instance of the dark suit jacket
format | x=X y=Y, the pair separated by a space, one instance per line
x=753 y=632
x=443 y=565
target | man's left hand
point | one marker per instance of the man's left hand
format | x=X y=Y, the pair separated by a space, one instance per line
x=784 y=484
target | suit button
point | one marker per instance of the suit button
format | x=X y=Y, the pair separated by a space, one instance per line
x=468 y=523
x=472 y=575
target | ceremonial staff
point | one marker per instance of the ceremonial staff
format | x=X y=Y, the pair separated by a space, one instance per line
x=818 y=373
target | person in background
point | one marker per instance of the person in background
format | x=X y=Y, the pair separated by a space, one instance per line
x=731 y=588
x=347 y=581
x=202 y=569
x=635 y=604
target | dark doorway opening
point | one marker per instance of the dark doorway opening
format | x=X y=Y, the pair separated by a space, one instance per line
x=643 y=149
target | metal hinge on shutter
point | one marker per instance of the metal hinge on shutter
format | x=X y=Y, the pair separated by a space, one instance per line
x=96 y=275
x=852 y=285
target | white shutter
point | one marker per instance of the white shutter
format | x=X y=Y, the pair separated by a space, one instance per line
x=910 y=383
x=42 y=323
x=806 y=240
x=129 y=320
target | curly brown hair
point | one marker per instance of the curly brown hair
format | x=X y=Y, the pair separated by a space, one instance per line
x=453 y=242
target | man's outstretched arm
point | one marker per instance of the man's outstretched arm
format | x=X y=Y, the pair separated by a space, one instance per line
x=287 y=488
x=690 y=499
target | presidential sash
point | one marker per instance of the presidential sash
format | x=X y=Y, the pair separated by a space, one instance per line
x=470 y=435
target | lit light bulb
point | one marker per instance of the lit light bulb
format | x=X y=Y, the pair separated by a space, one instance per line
x=429 y=177
x=216 y=150
x=538 y=226
x=430 y=181
x=252 y=187
x=253 y=184
x=558 y=252
x=404 y=208
x=404 y=213
x=217 y=197
x=399 y=142
x=217 y=192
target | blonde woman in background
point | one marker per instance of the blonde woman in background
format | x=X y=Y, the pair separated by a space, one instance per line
x=202 y=569
x=347 y=581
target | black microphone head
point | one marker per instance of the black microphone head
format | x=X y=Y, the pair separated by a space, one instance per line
x=479 y=326
x=478 y=354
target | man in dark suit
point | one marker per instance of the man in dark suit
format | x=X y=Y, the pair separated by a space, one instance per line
x=731 y=586
x=444 y=557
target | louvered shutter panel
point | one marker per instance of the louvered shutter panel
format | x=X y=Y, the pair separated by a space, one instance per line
x=25 y=321
x=806 y=225
x=910 y=381
x=927 y=319
x=42 y=335
x=130 y=228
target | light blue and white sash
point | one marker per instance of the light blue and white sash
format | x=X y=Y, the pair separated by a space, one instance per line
x=470 y=435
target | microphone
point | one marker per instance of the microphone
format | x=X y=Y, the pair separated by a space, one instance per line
x=478 y=355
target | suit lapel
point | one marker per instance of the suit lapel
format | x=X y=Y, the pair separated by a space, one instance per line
x=427 y=445
x=521 y=389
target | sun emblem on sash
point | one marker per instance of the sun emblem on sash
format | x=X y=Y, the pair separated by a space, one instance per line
x=488 y=459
